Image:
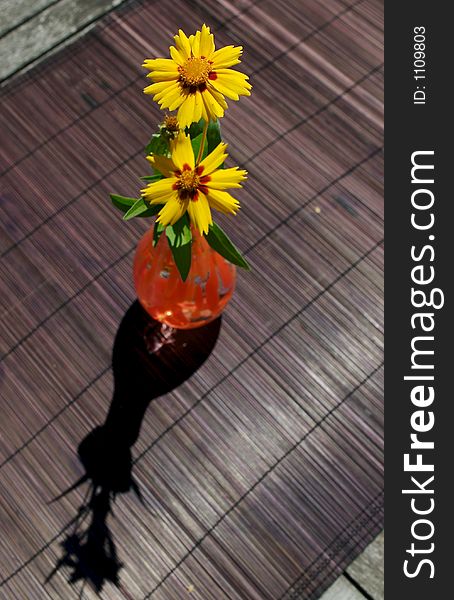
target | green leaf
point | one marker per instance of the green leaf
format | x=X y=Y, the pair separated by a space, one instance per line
x=196 y=147
x=122 y=202
x=195 y=129
x=157 y=231
x=213 y=136
x=156 y=177
x=141 y=208
x=220 y=242
x=182 y=258
x=159 y=144
x=179 y=234
x=179 y=237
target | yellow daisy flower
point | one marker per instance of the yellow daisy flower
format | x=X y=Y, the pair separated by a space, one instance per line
x=197 y=78
x=196 y=188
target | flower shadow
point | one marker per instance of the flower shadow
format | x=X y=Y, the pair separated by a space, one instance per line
x=148 y=361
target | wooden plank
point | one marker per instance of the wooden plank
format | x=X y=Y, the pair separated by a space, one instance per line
x=342 y=589
x=15 y=12
x=50 y=28
x=368 y=568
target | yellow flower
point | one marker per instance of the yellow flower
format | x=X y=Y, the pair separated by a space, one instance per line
x=194 y=188
x=197 y=78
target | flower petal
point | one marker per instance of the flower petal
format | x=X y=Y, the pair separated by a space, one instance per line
x=163 y=75
x=186 y=111
x=181 y=150
x=170 y=98
x=195 y=43
x=234 y=80
x=162 y=164
x=171 y=211
x=200 y=213
x=205 y=115
x=226 y=57
x=223 y=89
x=158 y=87
x=177 y=99
x=212 y=107
x=223 y=201
x=160 y=191
x=182 y=44
x=206 y=42
x=223 y=179
x=211 y=162
x=198 y=107
x=218 y=97
x=160 y=64
x=177 y=56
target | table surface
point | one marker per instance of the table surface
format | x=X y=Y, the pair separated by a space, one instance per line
x=257 y=473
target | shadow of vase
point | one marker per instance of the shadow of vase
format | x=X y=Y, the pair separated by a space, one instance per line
x=148 y=361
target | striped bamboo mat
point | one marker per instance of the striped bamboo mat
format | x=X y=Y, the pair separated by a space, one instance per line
x=260 y=473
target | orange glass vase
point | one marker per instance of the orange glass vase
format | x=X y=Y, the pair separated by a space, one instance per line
x=177 y=303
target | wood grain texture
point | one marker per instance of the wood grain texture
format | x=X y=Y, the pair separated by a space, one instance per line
x=261 y=474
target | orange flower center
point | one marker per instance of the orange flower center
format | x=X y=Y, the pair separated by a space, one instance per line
x=189 y=181
x=171 y=123
x=195 y=71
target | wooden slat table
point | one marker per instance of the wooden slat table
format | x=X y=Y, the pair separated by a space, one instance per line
x=259 y=459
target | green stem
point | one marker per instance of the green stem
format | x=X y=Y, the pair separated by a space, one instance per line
x=202 y=143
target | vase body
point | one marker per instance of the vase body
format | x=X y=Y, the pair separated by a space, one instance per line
x=177 y=303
